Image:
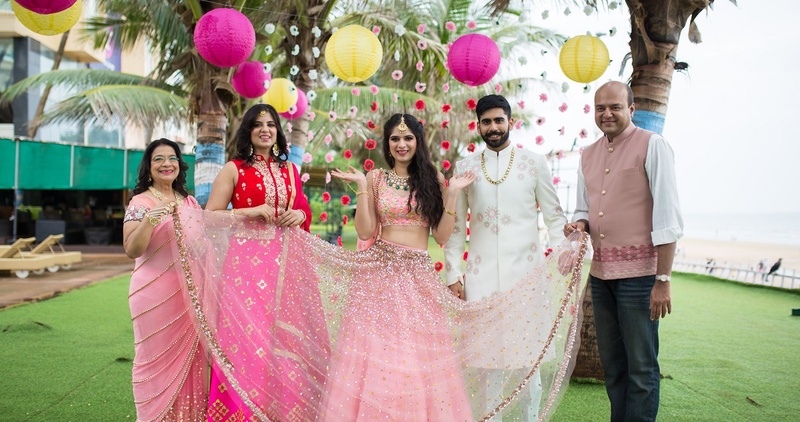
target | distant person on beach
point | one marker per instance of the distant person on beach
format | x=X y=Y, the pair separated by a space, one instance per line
x=774 y=268
x=628 y=201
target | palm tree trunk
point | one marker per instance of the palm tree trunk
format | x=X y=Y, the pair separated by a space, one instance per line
x=212 y=134
x=36 y=122
x=587 y=363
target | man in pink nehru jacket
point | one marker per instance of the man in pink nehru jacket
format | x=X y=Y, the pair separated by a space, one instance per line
x=628 y=202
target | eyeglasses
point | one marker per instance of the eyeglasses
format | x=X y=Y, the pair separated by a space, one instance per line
x=158 y=159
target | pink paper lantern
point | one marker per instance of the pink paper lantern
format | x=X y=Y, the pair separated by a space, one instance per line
x=46 y=7
x=299 y=107
x=224 y=37
x=473 y=59
x=249 y=79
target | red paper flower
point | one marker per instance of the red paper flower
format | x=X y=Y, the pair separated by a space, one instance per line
x=467 y=231
x=348 y=154
x=471 y=104
x=369 y=165
x=445 y=145
x=472 y=126
x=445 y=124
x=345 y=199
x=466 y=255
x=419 y=105
x=548 y=251
x=326 y=197
x=371 y=124
x=339 y=240
x=446 y=108
x=438 y=266
x=323 y=216
x=370 y=144
x=471 y=147
x=469 y=216
x=446 y=165
x=345 y=219
x=374 y=106
x=556 y=179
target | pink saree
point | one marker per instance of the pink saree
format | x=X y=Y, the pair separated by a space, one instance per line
x=396 y=343
x=169 y=367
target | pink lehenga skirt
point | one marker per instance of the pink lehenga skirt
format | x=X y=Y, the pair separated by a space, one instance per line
x=372 y=334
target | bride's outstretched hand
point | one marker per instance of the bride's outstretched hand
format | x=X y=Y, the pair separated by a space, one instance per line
x=351 y=175
x=461 y=181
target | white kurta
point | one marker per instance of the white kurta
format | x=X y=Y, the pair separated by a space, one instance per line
x=504 y=233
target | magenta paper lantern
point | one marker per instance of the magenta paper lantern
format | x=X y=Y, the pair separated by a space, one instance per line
x=473 y=59
x=249 y=79
x=300 y=106
x=224 y=37
x=46 y=7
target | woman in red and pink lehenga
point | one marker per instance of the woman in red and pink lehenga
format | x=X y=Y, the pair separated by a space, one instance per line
x=169 y=367
x=393 y=358
x=278 y=378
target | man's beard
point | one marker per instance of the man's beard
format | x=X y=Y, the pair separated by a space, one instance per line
x=495 y=143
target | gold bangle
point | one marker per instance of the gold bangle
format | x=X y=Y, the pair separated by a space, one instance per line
x=453 y=213
x=363 y=192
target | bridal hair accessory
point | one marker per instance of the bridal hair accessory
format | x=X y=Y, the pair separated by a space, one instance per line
x=402 y=127
x=262 y=113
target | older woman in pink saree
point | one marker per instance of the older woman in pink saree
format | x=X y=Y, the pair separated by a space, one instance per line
x=169 y=367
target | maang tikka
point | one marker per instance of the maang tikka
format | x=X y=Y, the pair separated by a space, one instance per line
x=402 y=127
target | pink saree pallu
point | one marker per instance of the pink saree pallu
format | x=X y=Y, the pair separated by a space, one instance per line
x=302 y=330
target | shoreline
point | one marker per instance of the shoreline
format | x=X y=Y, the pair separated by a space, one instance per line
x=738 y=253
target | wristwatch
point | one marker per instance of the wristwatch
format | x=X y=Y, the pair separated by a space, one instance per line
x=663 y=278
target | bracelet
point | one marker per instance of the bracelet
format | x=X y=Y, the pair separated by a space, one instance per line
x=453 y=213
x=363 y=192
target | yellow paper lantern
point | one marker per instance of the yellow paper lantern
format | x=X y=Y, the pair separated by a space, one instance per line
x=50 y=24
x=353 y=53
x=281 y=94
x=583 y=58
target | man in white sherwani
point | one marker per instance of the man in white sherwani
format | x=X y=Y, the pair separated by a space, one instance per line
x=504 y=232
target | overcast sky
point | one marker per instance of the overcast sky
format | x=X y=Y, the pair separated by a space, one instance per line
x=731 y=118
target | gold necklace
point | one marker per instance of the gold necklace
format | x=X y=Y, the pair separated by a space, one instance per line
x=502 y=179
x=396 y=181
x=160 y=196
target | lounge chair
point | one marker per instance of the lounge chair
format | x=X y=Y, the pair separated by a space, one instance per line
x=12 y=259
x=47 y=248
x=8 y=251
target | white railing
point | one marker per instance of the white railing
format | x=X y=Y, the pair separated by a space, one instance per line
x=785 y=279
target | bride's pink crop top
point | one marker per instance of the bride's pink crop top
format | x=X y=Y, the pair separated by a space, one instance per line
x=393 y=207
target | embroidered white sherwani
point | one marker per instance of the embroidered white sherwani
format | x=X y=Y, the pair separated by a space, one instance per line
x=504 y=229
x=504 y=247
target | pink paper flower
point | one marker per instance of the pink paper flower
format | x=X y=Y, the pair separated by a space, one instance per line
x=370 y=144
x=376 y=30
x=587 y=108
x=348 y=133
x=304 y=178
x=446 y=165
x=420 y=87
x=332 y=116
x=471 y=147
x=520 y=146
x=348 y=155
x=327 y=177
x=560 y=154
x=556 y=179
x=445 y=145
x=521 y=104
x=583 y=133
x=540 y=121
x=329 y=157
x=369 y=165
x=353 y=111
x=420 y=66
x=419 y=105
x=539 y=140
x=312 y=115
x=310 y=135
x=450 y=26
x=345 y=199
x=421 y=28
x=397 y=75
x=422 y=44
x=355 y=91
x=472 y=25
x=374 y=89
x=543 y=97
x=307 y=158
x=446 y=87
x=518 y=124
x=395 y=98
x=498 y=88
x=328 y=138
x=326 y=197
x=563 y=107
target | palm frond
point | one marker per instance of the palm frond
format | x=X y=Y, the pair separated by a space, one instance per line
x=140 y=105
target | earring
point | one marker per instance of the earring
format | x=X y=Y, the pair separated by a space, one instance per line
x=252 y=150
x=275 y=150
x=149 y=179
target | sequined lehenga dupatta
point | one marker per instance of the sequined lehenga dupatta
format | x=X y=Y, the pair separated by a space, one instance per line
x=410 y=332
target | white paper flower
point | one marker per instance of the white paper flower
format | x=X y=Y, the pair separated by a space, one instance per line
x=400 y=30
x=588 y=10
x=312 y=74
x=269 y=28
x=612 y=5
x=545 y=14
x=567 y=12
x=311 y=94
x=564 y=87
x=334 y=96
x=294 y=31
x=294 y=70
x=267 y=67
x=268 y=50
x=612 y=31
x=316 y=32
x=295 y=50
x=397 y=56
x=315 y=52
x=523 y=60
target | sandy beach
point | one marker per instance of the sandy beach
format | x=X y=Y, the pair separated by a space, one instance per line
x=738 y=252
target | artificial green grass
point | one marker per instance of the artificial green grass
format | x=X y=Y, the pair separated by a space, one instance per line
x=729 y=352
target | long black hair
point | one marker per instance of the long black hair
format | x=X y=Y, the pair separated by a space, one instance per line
x=144 y=181
x=244 y=144
x=423 y=181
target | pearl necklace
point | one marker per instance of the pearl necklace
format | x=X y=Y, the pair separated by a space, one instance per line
x=396 y=181
x=502 y=179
